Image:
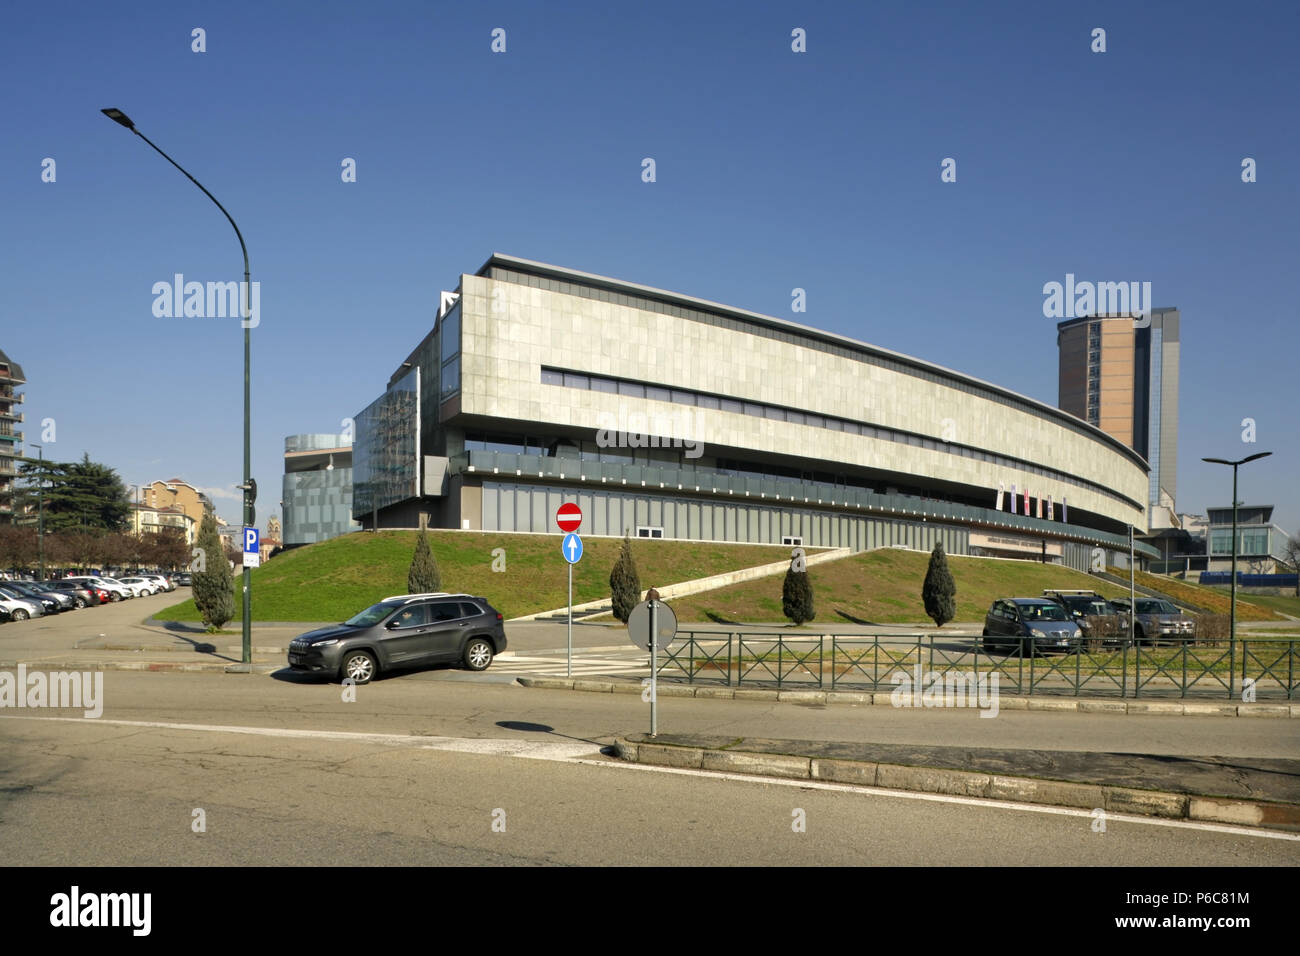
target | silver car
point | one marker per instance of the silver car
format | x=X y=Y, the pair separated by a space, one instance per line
x=1158 y=620
x=18 y=608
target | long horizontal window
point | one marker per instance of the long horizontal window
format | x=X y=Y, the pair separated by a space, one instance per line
x=632 y=389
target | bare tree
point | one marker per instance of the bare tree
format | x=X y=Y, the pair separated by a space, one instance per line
x=18 y=546
x=1292 y=551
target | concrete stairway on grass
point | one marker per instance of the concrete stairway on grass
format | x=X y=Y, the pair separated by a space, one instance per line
x=685 y=588
x=1149 y=592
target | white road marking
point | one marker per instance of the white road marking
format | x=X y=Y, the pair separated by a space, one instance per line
x=552 y=666
x=511 y=747
x=580 y=752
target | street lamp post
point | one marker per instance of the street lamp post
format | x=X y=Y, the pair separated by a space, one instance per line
x=1232 y=619
x=117 y=116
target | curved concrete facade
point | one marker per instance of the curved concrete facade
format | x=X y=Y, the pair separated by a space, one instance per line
x=519 y=319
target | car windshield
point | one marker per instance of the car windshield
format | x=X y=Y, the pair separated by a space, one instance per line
x=371 y=615
x=1043 y=612
x=1156 y=607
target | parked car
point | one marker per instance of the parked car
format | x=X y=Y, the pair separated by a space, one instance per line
x=52 y=601
x=183 y=580
x=82 y=595
x=164 y=583
x=1159 y=620
x=141 y=586
x=405 y=630
x=19 y=608
x=1084 y=605
x=116 y=592
x=1031 y=626
x=138 y=589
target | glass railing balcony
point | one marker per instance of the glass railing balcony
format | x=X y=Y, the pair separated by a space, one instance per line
x=315 y=442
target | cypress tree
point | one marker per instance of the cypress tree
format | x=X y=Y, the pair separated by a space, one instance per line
x=939 y=592
x=624 y=583
x=423 y=577
x=213 y=584
x=797 y=596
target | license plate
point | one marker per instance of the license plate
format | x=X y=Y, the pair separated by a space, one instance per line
x=295 y=658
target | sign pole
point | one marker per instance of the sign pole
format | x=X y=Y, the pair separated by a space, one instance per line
x=654 y=668
x=568 y=671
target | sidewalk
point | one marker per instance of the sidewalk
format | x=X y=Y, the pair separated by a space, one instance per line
x=1246 y=791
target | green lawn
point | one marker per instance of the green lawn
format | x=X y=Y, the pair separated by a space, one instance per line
x=1284 y=603
x=335 y=579
x=884 y=587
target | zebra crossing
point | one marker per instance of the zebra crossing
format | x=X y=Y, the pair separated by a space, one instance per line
x=583 y=666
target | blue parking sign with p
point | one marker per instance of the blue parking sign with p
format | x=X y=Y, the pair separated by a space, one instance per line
x=250 y=541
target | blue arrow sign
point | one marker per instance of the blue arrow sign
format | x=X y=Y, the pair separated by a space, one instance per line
x=571 y=548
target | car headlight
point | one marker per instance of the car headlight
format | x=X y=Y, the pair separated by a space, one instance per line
x=328 y=643
x=1035 y=632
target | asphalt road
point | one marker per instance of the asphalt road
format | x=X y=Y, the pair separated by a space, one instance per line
x=87 y=794
x=416 y=770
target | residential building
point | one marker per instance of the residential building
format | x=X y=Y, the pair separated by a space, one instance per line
x=11 y=439
x=177 y=493
x=146 y=519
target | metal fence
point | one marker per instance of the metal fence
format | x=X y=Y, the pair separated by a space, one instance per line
x=1253 y=667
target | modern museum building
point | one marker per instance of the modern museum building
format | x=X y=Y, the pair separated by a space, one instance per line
x=663 y=415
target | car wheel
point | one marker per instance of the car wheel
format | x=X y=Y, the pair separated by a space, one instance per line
x=19 y=614
x=359 y=666
x=478 y=654
x=80 y=602
x=1027 y=648
x=1138 y=636
x=114 y=597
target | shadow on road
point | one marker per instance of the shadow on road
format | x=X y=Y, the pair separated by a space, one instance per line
x=857 y=620
x=528 y=727
x=719 y=619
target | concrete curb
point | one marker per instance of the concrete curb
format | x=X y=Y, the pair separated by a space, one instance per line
x=1083 y=705
x=961 y=783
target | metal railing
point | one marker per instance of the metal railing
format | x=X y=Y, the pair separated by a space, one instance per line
x=1254 y=668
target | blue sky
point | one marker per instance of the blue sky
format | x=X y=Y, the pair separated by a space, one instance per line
x=775 y=170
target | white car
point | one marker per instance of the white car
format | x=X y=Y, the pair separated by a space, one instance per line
x=141 y=586
x=162 y=582
x=137 y=586
x=19 y=610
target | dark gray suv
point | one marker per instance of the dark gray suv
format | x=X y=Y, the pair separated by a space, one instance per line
x=1030 y=625
x=406 y=630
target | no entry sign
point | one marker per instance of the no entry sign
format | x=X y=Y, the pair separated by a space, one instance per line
x=568 y=517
